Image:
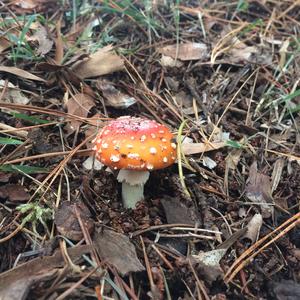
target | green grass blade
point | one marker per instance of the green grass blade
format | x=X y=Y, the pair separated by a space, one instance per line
x=30 y=119
x=23 y=169
x=9 y=141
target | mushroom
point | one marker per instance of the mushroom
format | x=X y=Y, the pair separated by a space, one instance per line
x=134 y=146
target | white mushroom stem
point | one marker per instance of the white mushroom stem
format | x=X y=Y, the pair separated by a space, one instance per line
x=132 y=186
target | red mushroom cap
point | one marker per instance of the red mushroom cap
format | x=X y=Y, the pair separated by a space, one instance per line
x=135 y=144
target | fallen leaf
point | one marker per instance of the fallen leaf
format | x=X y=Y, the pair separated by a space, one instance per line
x=18 y=289
x=79 y=105
x=208 y=264
x=208 y=162
x=283 y=53
x=194 y=148
x=285 y=290
x=258 y=190
x=187 y=51
x=253 y=228
x=26 y=4
x=16 y=282
x=32 y=6
x=177 y=211
x=14 y=193
x=92 y=163
x=232 y=239
x=277 y=172
x=116 y=249
x=240 y=52
x=114 y=97
x=20 y=73
x=233 y=158
x=59 y=47
x=102 y=62
x=45 y=44
x=4 y=177
x=167 y=61
x=4 y=44
x=67 y=222
x=13 y=94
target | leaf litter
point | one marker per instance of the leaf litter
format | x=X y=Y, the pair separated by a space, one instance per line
x=221 y=70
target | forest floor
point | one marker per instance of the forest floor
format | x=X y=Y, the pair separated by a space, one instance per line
x=223 y=222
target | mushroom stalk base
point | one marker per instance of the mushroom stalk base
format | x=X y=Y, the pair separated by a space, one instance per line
x=132 y=194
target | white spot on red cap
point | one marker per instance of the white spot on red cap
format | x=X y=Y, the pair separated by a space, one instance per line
x=114 y=158
x=104 y=145
x=173 y=145
x=153 y=150
x=161 y=131
x=129 y=146
x=165 y=159
x=150 y=167
x=153 y=135
x=163 y=140
x=143 y=138
x=133 y=155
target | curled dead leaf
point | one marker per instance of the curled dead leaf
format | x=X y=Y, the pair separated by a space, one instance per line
x=102 y=62
x=258 y=190
x=20 y=73
x=253 y=228
x=13 y=94
x=186 y=51
x=45 y=44
x=194 y=148
x=118 y=250
x=67 y=223
x=114 y=97
x=14 y=193
x=79 y=105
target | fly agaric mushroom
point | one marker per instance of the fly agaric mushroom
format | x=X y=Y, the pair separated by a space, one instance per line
x=134 y=146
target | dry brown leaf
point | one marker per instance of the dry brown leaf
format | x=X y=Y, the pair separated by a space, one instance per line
x=26 y=4
x=20 y=73
x=233 y=158
x=16 y=282
x=102 y=62
x=116 y=248
x=30 y=6
x=59 y=48
x=277 y=172
x=258 y=190
x=4 y=44
x=177 y=211
x=67 y=223
x=253 y=228
x=187 y=51
x=79 y=105
x=13 y=94
x=240 y=52
x=14 y=193
x=45 y=44
x=114 y=97
x=209 y=263
x=167 y=61
x=194 y=148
